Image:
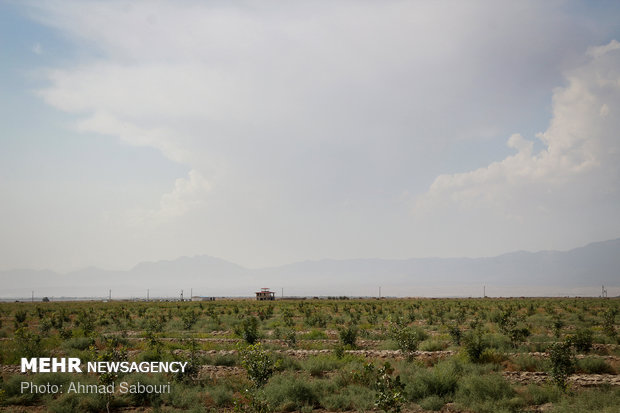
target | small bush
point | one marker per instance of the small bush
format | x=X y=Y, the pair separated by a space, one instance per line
x=351 y=397
x=541 y=394
x=609 y=322
x=433 y=345
x=389 y=390
x=582 y=340
x=74 y=402
x=182 y=396
x=407 y=338
x=222 y=396
x=348 y=336
x=248 y=330
x=475 y=344
x=432 y=403
x=144 y=398
x=20 y=317
x=79 y=343
x=603 y=400
x=315 y=334
x=258 y=364
x=491 y=355
x=594 y=365
x=490 y=393
x=439 y=381
x=28 y=343
x=562 y=363
x=455 y=334
x=290 y=338
x=225 y=360
x=318 y=365
x=525 y=362
x=291 y=393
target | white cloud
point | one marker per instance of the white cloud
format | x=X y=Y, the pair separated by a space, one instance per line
x=598 y=51
x=303 y=124
x=106 y=124
x=37 y=49
x=574 y=178
x=188 y=194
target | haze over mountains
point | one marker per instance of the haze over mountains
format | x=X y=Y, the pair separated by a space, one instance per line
x=580 y=271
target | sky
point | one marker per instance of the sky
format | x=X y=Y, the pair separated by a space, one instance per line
x=268 y=132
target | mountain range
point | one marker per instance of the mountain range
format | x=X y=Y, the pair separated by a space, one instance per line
x=581 y=271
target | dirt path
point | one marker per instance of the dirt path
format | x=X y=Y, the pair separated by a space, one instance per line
x=579 y=380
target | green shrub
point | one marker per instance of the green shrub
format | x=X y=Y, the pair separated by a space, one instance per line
x=290 y=338
x=604 y=400
x=13 y=394
x=489 y=393
x=542 y=394
x=284 y=362
x=508 y=323
x=609 y=322
x=432 y=403
x=74 y=402
x=407 y=338
x=79 y=343
x=455 y=334
x=315 y=334
x=20 y=317
x=350 y=397
x=433 y=345
x=389 y=390
x=556 y=326
x=257 y=363
x=562 y=363
x=491 y=355
x=525 y=362
x=439 y=381
x=291 y=393
x=594 y=365
x=318 y=365
x=225 y=360
x=348 y=335
x=28 y=344
x=582 y=340
x=222 y=396
x=248 y=330
x=183 y=396
x=145 y=398
x=475 y=344
x=193 y=361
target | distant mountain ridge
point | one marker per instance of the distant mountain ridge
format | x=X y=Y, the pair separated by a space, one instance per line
x=578 y=271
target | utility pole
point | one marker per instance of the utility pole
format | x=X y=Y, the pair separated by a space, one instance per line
x=147 y=294
x=110 y=295
x=181 y=295
x=484 y=291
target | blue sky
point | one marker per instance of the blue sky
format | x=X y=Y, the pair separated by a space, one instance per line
x=134 y=131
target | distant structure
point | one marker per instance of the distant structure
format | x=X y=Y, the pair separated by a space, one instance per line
x=265 y=295
x=200 y=298
x=603 y=292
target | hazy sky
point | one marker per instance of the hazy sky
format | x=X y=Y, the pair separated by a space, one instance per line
x=270 y=132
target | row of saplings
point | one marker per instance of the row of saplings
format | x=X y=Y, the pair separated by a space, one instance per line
x=444 y=381
x=388 y=388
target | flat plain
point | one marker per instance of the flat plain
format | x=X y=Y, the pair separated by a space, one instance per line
x=327 y=355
